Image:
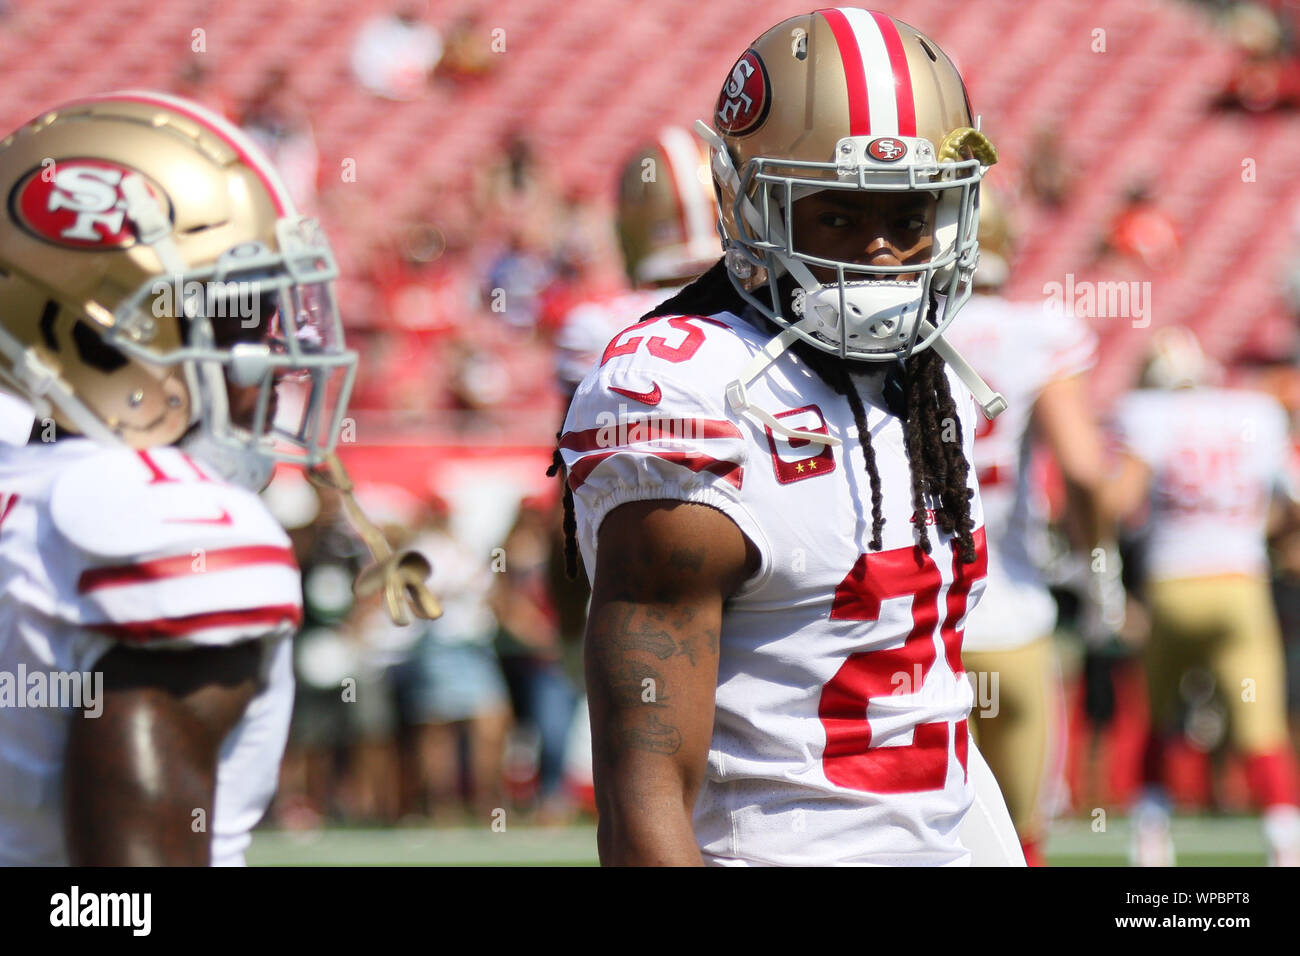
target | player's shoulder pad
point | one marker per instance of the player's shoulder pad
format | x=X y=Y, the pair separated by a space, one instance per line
x=121 y=504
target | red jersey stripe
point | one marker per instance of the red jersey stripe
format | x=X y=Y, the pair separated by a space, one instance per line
x=183 y=565
x=168 y=627
x=727 y=470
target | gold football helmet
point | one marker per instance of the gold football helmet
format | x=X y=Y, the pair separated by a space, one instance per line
x=667 y=215
x=849 y=99
x=150 y=254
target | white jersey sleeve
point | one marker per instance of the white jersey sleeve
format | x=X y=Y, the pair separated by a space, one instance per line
x=149 y=550
x=640 y=428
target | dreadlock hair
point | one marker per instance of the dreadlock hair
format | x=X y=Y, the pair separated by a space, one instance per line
x=570 y=521
x=938 y=468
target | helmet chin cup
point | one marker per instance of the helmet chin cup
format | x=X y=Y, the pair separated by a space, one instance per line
x=877 y=315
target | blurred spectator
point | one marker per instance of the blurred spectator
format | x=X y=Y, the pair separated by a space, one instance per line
x=1045 y=169
x=1268 y=76
x=1143 y=233
x=479 y=378
x=452 y=684
x=394 y=55
x=275 y=120
x=531 y=654
x=468 y=53
x=193 y=81
x=515 y=280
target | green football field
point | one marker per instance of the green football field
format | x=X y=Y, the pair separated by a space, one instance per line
x=1200 y=841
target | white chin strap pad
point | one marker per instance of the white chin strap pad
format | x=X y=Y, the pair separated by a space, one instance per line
x=879 y=315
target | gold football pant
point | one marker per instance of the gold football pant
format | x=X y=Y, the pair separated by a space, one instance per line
x=1226 y=624
x=1016 y=722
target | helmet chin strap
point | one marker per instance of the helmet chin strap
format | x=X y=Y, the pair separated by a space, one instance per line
x=883 y=302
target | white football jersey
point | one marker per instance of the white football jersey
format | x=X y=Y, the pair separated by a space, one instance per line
x=840 y=732
x=101 y=547
x=1216 y=457
x=1018 y=348
x=589 y=326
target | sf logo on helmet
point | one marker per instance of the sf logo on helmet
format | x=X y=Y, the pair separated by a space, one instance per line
x=745 y=97
x=80 y=206
x=886 y=150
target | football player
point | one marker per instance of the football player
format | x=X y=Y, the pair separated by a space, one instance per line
x=772 y=489
x=1205 y=462
x=665 y=219
x=169 y=317
x=1037 y=361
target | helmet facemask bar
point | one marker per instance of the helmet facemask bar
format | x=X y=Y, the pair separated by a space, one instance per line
x=765 y=241
x=254 y=317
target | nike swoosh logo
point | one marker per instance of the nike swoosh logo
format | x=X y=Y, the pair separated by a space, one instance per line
x=221 y=519
x=651 y=397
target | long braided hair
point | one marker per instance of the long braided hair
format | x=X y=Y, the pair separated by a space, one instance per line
x=938 y=467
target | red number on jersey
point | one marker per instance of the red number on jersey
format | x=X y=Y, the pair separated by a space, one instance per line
x=658 y=345
x=850 y=759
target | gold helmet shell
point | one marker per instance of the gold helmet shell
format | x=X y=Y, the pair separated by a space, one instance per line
x=667 y=213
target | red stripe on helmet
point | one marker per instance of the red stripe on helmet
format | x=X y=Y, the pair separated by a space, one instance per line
x=855 y=77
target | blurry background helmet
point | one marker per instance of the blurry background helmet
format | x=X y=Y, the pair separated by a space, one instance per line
x=667 y=214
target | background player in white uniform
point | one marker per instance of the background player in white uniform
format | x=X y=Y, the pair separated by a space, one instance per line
x=133 y=549
x=1037 y=360
x=784 y=543
x=1206 y=462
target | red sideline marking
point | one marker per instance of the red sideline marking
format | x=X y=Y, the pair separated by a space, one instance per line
x=727 y=470
x=182 y=565
x=180 y=626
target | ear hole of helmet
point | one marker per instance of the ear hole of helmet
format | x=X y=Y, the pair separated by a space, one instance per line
x=94 y=351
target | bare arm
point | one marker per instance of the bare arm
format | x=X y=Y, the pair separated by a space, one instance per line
x=136 y=773
x=653 y=635
x=1066 y=423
